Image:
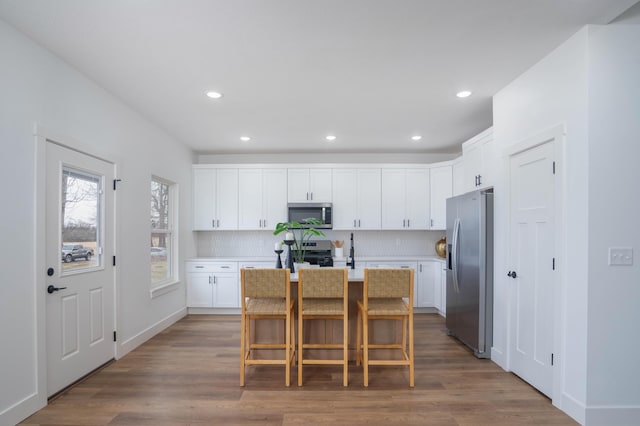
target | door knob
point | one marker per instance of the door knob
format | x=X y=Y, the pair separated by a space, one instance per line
x=52 y=289
x=512 y=274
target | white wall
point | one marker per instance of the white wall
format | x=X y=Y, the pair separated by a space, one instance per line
x=614 y=204
x=553 y=92
x=37 y=87
x=589 y=85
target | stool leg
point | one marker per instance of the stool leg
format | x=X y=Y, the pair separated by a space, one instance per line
x=242 y=348
x=358 y=337
x=365 y=349
x=404 y=334
x=287 y=373
x=300 y=337
x=411 y=366
x=345 y=347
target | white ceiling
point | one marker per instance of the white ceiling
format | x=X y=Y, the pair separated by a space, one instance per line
x=372 y=72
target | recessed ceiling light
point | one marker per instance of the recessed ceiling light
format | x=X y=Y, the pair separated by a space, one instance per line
x=214 y=95
x=463 y=94
x=245 y=138
x=330 y=138
x=416 y=137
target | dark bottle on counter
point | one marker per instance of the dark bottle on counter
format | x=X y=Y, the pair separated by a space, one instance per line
x=352 y=259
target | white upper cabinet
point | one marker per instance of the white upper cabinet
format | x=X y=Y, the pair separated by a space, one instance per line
x=356 y=198
x=441 y=189
x=309 y=185
x=262 y=198
x=405 y=199
x=215 y=199
x=457 y=168
x=478 y=157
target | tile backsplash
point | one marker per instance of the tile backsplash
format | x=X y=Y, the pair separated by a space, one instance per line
x=366 y=243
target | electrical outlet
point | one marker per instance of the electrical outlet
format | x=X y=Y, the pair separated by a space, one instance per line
x=620 y=256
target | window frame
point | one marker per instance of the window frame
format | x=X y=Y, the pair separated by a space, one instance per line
x=171 y=280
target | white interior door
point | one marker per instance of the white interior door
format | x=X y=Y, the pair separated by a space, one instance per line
x=532 y=231
x=80 y=276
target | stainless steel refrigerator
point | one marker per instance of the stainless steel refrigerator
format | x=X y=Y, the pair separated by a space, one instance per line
x=470 y=270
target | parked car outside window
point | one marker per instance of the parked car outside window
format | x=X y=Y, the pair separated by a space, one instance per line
x=71 y=252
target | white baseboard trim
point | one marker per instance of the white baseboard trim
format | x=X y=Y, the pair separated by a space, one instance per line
x=571 y=406
x=130 y=344
x=22 y=409
x=612 y=415
x=498 y=357
x=214 y=311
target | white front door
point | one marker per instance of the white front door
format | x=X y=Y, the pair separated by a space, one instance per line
x=80 y=273
x=532 y=245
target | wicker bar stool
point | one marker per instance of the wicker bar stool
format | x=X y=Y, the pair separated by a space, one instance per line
x=323 y=294
x=266 y=294
x=387 y=294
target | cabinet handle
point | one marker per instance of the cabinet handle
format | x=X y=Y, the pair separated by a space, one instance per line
x=354 y=223
x=311 y=195
x=218 y=223
x=432 y=223
x=199 y=266
x=408 y=223
x=479 y=180
x=225 y=266
x=420 y=267
x=213 y=223
x=358 y=223
x=209 y=279
x=264 y=221
x=307 y=196
x=215 y=280
x=403 y=222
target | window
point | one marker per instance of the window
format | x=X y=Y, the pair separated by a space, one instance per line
x=162 y=232
x=81 y=225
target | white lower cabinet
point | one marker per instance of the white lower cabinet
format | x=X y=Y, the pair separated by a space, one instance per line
x=428 y=277
x=440 y=294
x=212 y=285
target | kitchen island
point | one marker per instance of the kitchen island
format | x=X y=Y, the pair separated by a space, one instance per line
x=330 y=331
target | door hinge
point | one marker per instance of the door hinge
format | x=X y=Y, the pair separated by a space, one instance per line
x=114 y=261
x=114 y=336
x=553 y=264
x=552 y=358
x=554 y=167
x=115 y=183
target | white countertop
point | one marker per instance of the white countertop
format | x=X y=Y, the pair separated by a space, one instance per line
x=359 y=259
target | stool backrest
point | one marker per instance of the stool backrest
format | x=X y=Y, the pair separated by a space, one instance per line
x=388 y=283
x=265 y=283
x=323 y=282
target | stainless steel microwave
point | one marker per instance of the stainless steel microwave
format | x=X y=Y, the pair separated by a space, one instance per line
x=321 y=211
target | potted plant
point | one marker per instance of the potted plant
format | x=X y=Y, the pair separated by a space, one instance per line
x=302 y=232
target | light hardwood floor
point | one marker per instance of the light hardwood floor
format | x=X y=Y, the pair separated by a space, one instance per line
x=189 y=374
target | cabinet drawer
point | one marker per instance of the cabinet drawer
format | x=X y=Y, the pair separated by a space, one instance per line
x=257 y=265
x=212 y=267
x=391 y=265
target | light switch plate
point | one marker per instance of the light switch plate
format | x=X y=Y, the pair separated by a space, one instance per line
x=620 y=256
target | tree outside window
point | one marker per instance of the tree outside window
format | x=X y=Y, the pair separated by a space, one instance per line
x=161 y=231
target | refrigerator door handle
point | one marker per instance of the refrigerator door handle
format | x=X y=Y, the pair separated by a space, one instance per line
x=456 y=235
